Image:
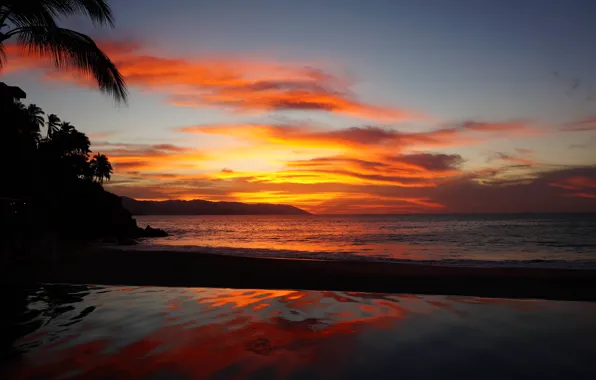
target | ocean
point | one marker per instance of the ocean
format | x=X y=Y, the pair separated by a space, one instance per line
x=58 y=331
x=530 y=240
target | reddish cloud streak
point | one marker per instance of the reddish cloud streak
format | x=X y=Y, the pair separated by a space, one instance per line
x=311 y=137
x=241 y=85
x=576 y=183
x=143 y=158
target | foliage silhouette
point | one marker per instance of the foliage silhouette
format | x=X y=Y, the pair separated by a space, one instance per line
x=52 y=188
x=101 y=168
x=52 y=125
x=32 y=23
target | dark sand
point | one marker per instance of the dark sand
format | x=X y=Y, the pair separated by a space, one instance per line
x=110 y=266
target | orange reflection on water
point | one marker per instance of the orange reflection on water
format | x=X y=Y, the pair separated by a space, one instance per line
x=229 y=333
x=238 y=298
x=211 y=331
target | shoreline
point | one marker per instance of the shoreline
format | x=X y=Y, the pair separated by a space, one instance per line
x=112 y=266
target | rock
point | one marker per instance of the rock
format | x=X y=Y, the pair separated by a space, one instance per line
x=154 y=232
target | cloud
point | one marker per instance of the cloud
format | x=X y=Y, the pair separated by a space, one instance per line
x=170 y=148
x=587 y=124
x=368 y=169
x=401 y=169
x=101 y=135
x=308 y=136
x=362 y=169
x=460 y=194
x=237 y=84
x=517 y=160
x=492 y=127
x=576 y=183
x=431 y=162
x=533 y=194
x=145 y=157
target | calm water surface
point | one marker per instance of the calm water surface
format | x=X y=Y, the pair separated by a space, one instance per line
x=90 y=332
x=561 y=240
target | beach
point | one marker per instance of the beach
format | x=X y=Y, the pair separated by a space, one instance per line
x=119 y=266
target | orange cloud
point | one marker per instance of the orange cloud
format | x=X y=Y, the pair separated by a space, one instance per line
x=510 y=126
x=241 y=85
x=140 y=157
x=402 y=170
x=101 y=135
x=308 y=136
x=322 y=167
x=403 y=166
x=343 y=202
x=458 y=194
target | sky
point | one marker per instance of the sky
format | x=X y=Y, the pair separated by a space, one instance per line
x=421 y=106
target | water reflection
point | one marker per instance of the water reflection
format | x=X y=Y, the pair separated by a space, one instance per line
x=126 y=332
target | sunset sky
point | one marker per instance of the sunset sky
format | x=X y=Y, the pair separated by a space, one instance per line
x=342 y=106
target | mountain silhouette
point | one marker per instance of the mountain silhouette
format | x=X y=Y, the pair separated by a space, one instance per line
x=202 y=207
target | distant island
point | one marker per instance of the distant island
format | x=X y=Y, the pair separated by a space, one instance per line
x=202 y=207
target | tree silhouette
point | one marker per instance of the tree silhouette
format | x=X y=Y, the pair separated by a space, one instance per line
x=52 y=125
x=66 y=127
x=52 y=187
x=33 y=24
x=101 y=168
x=36 y=115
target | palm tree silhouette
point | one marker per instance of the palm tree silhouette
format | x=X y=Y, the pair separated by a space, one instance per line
x=52 y=124
x=101 y=167
x=34 y=26
x=66 y=127
x=36 y=114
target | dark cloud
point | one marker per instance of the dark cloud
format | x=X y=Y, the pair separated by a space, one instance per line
x=432 y=162
x=517 y=161
x=169 y=147
x=522 y=195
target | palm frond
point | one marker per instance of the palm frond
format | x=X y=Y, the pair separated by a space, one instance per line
x=44 y=12
x=32 y=12
x=53 y=119
x=70 y=49
x=99 y=11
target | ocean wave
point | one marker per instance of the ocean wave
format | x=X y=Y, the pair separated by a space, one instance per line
x=346 y=256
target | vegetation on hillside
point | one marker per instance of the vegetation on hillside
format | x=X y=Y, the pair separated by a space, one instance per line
x=52 y=185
